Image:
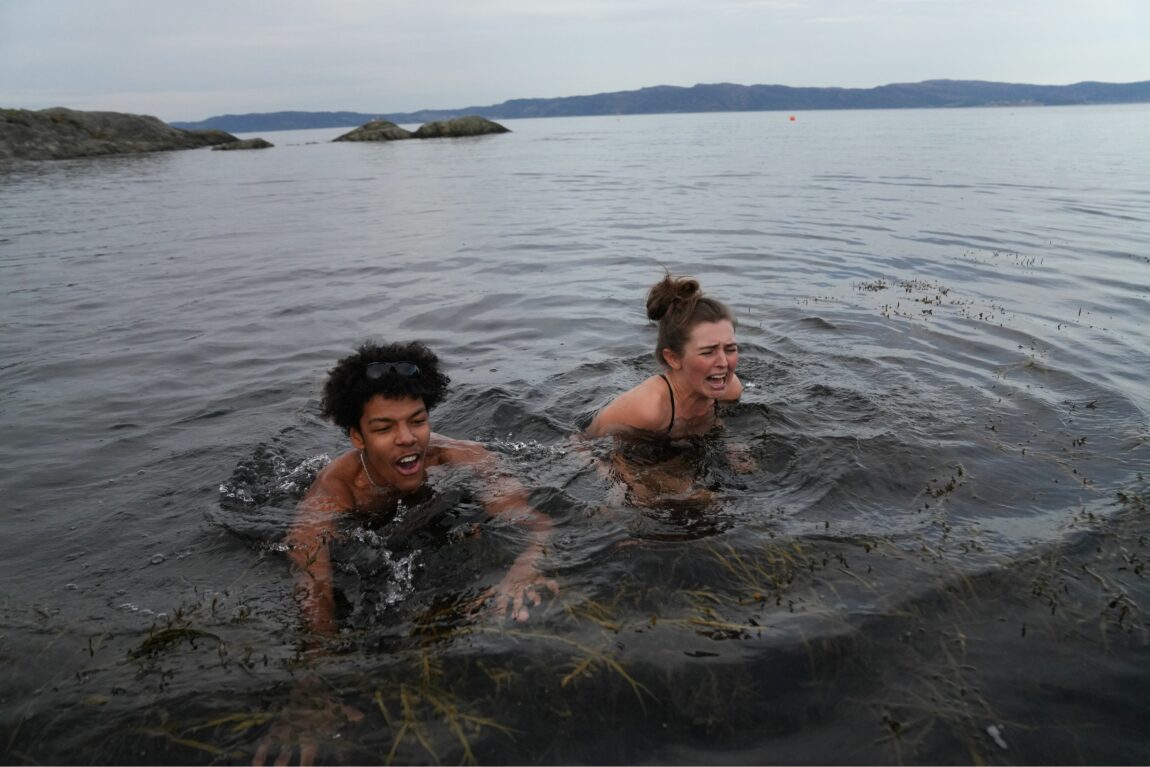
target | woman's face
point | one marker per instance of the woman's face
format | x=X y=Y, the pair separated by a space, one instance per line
x=709 y=357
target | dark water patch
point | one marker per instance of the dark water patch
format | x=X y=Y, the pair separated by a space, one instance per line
x=1076 y=208
x=1120 y=291
x=257 y=502
x=974 y=243
x=499 y=413
x=816 y=323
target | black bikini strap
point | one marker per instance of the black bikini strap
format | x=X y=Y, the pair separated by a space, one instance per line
x=672 y=393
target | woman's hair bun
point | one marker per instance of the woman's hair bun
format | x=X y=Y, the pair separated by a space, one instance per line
x=670 y=294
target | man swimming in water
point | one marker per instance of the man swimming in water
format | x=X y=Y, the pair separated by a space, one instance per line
x=381 y=397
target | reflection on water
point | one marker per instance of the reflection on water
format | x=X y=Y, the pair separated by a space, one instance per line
x=920 y=537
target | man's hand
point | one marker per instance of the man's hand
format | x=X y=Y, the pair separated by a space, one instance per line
x=522 y=585
x=312 y=718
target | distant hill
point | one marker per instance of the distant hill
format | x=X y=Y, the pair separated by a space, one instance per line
x=273 y=121
x=720 y=97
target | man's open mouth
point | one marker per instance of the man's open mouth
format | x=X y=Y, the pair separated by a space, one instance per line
x=408 y=464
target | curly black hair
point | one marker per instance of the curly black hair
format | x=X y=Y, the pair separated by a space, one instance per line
x=348 y=387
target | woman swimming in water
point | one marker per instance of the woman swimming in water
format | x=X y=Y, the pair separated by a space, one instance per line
x=697 y=347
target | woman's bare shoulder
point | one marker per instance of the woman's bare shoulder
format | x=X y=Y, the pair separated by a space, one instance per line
x=736 y=388
x=644 y=408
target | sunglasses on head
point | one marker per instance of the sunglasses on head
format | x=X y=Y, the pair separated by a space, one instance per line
x=379 y=369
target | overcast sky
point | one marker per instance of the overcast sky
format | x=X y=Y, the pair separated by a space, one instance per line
x=190 y=61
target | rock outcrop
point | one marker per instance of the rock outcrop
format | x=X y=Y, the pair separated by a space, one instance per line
x=471 y=125
x=247 y=143
x=376 y=130
x=58 y=133
x=382 y=130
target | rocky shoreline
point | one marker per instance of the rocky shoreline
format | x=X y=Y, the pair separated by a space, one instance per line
x=59 y=133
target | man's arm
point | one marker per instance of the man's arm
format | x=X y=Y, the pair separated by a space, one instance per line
x=504 y=498
x=314 y=713
x=521 y=585
x=309 y=542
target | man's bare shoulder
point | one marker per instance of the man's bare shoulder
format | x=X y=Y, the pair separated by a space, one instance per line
x=334 y=487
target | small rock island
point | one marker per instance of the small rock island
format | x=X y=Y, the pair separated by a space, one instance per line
x=469 y=125
x=382 y=130
x=247 y=143
x=376 y=130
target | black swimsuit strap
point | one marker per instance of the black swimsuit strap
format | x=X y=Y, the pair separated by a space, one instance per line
x=672 y=393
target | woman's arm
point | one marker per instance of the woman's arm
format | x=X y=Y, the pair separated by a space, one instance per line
x=736 y=389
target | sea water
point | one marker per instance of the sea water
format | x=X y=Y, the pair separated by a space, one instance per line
x=933 y=552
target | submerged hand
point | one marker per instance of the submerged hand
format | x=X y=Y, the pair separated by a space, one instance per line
x=313 y=717
x=522 y=585
x=741 y=459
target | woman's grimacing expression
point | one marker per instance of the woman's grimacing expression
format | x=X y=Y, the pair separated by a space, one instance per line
x=709 y=357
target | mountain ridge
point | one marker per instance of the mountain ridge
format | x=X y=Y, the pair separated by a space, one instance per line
x=717 y=97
